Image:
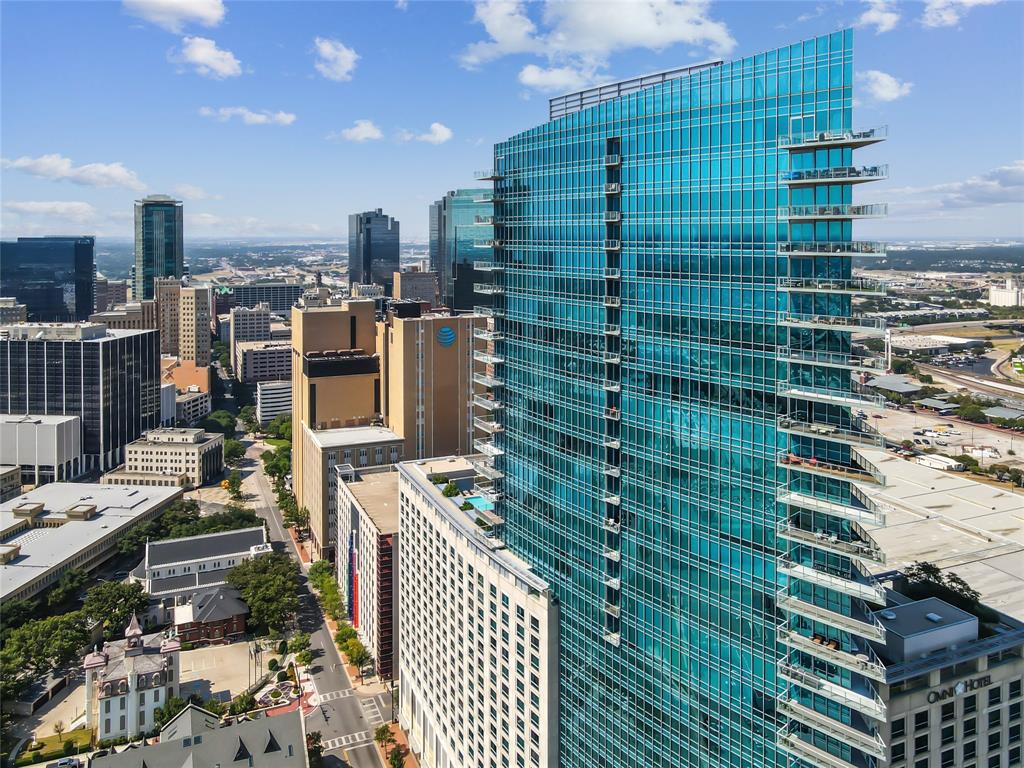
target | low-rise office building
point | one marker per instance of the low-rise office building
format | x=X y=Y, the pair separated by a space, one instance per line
x=247 y=324
x=192 y=405
x=132 y=316
x=10 y=482
x=257 y=361
x=127 y=680
x=11 y=311
x=48 y=449
x=368 y=560
x=359 y=447
x=171 y=456
x=480 y=685
x=60 y=526
x=273 y=399
x=279 y=296
x=416 y=286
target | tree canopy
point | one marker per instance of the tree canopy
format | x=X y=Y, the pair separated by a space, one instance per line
x=114 y=603
x=234 y=450
x=269 y=584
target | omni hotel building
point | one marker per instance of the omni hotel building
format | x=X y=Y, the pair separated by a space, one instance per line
x=672 y=440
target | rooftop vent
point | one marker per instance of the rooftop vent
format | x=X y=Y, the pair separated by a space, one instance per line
x=887 y=615
x=933 y=617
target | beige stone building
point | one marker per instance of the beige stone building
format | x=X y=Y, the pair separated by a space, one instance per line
x=171 y=456
x=263 y=361
x=416 y=286
x=247 y=324
x=427 y=366
x=167 y=294
x=132 y=316
x=195 y=305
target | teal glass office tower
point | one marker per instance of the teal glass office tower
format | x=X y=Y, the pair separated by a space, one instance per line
x=675 y=376
x=461 y=231
x=159 y=242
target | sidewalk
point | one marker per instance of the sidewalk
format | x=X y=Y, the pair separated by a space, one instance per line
x=401 y=741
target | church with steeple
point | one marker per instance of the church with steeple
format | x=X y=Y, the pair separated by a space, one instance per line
x=126 y=681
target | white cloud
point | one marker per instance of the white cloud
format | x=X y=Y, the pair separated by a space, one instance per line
x=947 y=13
x=263 y=117
x=555 y=79
x=361 y=130
x=57 y=209
x=172 y=15
x=208 y=60
x=882 y=86
x=438 y=134
x=880 y=14
x=335 y=60
x=579 y=37
x=999 y=186
x=192 y=192
x=401 y=4
x=58 y=167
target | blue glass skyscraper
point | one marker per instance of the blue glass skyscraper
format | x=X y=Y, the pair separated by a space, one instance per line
x=461 y=230
x=672 y=353
x=54 y=277
x=373 y=248
x=159 y=242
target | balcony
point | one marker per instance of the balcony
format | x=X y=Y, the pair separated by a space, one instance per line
x=489 y=358
x=612 y=471
x=872 y=631
x=612 y=301
x=486 y=220
x=830 y=432
x=612 y=273
x=843 y=323
x=856 y=286
x=867 y=363
x=611 y=498
x=612 y=216
x=488 y=448
x=487 y=425
x=612 y=554
x=867 y=664
x=851 y=139
x=612 y=442
x=487 y=243
x=865 y=742
x=487 y=403
x=487 y=470
x=613 y=245
x=612 y=610
x=488 y=266
x=867 y=516
x=488 y=288
x=612 y=414
x=612 y=358
x=829 y=396
x=490 y=174
x=612 y=188
x=830 y=248
x=486 y=334
x=612 y=638
x=611 y=329
x=611 y=386
x=816 y=466
x=872 y=593
x=810 y=754
x=870 y=706
x=612 y=159
x=487 y=381
x=611 y=525
x=488 y=199
x=489 y=311
x=830 y=212
x=613 y=583
x=842 y=175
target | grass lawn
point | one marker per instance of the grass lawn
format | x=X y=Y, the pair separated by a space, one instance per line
x=53 y=747
x=276 y=442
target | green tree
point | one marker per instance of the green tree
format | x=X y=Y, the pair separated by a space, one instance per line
x=315 y=749
x=220 y=421
x=15 y=614
x=450 y=490
x=319 y=570
x=299 y=642
x=304 y=658
x=395 y=757
x=235 y=484
x=358 y=656
x=113 y=603
x=242 y=704
x=344 y=634
x=168 y=711
x=248 y=417
x=234 y=451
x=280 y=427
x=269 y=585
x=45 y=644
x=225 y=362
x=972 y=412
x=214 y=706
x=297 y=516
x=66 y=587
x=384 y=737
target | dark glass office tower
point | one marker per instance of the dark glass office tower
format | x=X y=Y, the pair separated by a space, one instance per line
x=159 y=243
x=672 y=362
x=54 y=277
x=373 y=248
x=465 y=230
x=109 y=378
x=436 y=236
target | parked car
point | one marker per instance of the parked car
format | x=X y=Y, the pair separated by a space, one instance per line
x=69 y=762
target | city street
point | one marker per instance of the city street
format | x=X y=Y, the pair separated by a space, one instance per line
x=345 y=719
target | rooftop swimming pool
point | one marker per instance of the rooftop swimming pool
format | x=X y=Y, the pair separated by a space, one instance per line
x=480 y=503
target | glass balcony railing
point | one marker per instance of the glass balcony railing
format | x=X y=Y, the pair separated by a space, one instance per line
x=858 y=286
x=612 y=188
x=486 y=334
x=487 y=425
x=487 y=403
x=488 y=288
x=488 y=358
x=483 y=220
x=612 y=358
x=829 y=432
x=611 y=329
x=612 y=159
x=818 y=466
x=488 y=266
x=811 y=755
x=860 y=324
x=832 y=359
x=487 y=243
x=490 y=382
x=489 y=311
x=871 y=629
x=872 y=593
x=869 y=703
x=613 y=216
x=487 y=198
x=828 y=395
x=826 y=248
x=872 y=744
x=842 y=175
x=844 y=211
x=853 y=139
x=612 y=245
x=861 y=550
x=612 y=301
x=612 y=273
x=866 y=516
x=488 y=448
x=612 y=638
x=489 y=174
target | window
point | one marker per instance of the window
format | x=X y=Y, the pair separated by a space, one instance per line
x=898 y=752
x=948 y=735
x=995 y=718
x=921 y=743
x=970 y=704
x=948 y=759
x=1014 y=691
x=970 y=750
x=970 y=726
x=920 y=720
x=948 y=711
x=995 y=695
x=995 y=741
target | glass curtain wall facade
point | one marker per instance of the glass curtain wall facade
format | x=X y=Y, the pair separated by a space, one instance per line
x=672 y=368
x=373 y=248
x=468 y=232
x=52 y=276
x=112 y=384
x=159 y=243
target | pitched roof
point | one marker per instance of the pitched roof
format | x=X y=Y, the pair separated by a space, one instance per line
x=204 y=546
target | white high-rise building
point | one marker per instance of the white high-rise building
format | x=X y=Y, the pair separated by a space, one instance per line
x=478 y=649
x=273 y=398
x=1010 y=296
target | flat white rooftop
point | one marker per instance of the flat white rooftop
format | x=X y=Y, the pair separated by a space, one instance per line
x=348 y=436
x=59 y=537
x=946 y=518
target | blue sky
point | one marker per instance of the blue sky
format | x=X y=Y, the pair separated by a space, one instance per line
x=280 y=118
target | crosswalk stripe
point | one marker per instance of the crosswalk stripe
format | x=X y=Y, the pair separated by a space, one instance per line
x=350 y=740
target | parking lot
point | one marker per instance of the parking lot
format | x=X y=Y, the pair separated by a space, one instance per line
x=901 y=425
